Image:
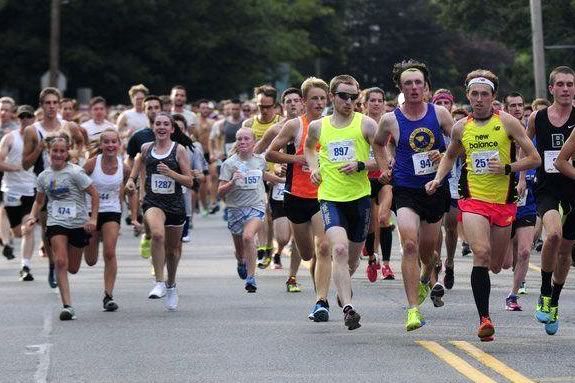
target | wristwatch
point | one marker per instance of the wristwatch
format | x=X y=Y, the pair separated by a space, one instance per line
x=360 y=166
x=507 y=169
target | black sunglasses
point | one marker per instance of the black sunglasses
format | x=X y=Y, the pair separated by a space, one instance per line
x=346 y=96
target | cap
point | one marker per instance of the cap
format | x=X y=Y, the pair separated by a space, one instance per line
x=25 y=109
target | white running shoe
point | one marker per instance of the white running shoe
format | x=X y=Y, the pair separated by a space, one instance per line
x=186 y=238
x=171 y=301
x=159 y=291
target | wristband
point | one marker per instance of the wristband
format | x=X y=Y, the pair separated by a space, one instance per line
x=360 y=166
x=507 y=169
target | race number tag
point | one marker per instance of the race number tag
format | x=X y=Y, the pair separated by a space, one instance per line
x=163 y=184
x=549 y=160
x=63 y=210
x=104 y=196
x=422 y=164
x=11 y=200
x=480 y=160
x=523 y=200
x=341 y=151
x=228 y=148
x=251 y=180
x=278 y=192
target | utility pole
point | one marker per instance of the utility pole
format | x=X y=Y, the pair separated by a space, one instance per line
x=538 y=48
x=54 y=42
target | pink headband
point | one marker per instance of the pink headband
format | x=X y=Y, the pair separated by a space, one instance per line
x=442 y=96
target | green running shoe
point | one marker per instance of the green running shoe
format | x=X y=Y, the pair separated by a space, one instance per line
x=146 y=247
x=423 y=292
x=542 y=310
x=552 y=326
x=414 y=319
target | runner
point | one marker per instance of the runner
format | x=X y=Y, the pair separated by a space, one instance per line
x=208 y=189
x=300 y=198
x=98 y=123
x=108 y=174
x=68 y=226
x=18 y=187
x=242 y=187
x=166 y=168
x=68 y=109
x=224 y=131
x=416 y=129
x=551 y=127
x=178 y=95
x=132 y=120
x=344 y=138
x=487 y=188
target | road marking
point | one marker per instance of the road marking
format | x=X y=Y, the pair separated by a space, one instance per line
x=43 y=351
x=456 y=362
x=534 y=267
x=492 y=362
x=561 y=379
x=47 y=328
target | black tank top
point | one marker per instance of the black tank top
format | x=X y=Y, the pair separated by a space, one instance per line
x=549 y=141
x=162 y=191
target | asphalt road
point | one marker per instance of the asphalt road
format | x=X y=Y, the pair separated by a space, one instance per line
x=222 y=334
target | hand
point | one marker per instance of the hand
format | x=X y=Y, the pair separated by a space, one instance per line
x=130 y=185
x=349 y=168
x=280 y=170
x=300 y=160
x=137 y=227
x=435 y=156
x=28 y=225
x=315 y=177
x=521 y=187
x=90 y=226
x=164 y=170
x=385 y=177
x=196 y=173
x=431 y=187
x=495 y=167
x=237 y=176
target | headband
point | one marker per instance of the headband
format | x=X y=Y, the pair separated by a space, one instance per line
x=482 y=81
x=442 y=96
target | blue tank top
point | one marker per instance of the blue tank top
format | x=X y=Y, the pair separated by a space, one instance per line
x=412 y=168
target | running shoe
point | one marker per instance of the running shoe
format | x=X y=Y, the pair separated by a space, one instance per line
x=109 y=304
x=371 y=269
x=292 y=286
x=436 y=295
x=158 y=291
x=171 y=301
x=437 y=268
x=351 y=319
x=214 y=208
x=8 y=252
x=242 y=270
x=465 y=249
x=538 y=245
x=265 y=262
x=523 y=288
x=543 y=309
x=449 y=278
x=486 y=329
x=511 y=303
x=387 y=273
x=25 y=274
x=67 y=313
x=145 y=247
x=52 y=281
x=261 y=255
x=414 y=319
x=251 y=285
x=553 y=325
x=186 y=239
x=277 y=263
x=423 y=292
x=320 y=312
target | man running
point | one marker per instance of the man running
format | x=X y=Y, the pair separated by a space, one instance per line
x=134 y=119
x=178 y=95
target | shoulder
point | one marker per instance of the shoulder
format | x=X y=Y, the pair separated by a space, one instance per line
x=248 y=123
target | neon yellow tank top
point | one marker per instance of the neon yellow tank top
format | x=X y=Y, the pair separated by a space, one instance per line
x=482 y=142
x=339 y=146
x=259 y=128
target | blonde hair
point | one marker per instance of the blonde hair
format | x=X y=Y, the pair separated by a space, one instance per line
x=138 y=88
x=313 y=82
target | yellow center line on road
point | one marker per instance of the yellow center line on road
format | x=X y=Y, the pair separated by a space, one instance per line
x=534 y=267
x=456 y=362
x=491 y=362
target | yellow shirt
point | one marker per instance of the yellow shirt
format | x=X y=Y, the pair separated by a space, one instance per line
x=482 y=142
x=259 y=128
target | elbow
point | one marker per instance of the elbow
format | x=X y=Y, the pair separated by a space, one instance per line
x=269 y=156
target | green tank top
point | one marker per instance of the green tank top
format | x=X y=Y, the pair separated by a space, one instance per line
x=338 y=147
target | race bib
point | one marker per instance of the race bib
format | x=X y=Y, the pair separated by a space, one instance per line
x=228 y=148
x=163 y=184
x=523 y=200
x=549 y=160
x=480 y=160
x=104 y=196
x=341 y=151
x=278 y=192
x=11 y=200
x=250 y=180
x=63 y=210
x=422 y=164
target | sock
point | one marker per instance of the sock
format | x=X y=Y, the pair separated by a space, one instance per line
x=546 y=283
x=555 y=294
x=347 y=308
x=385 y=240
x=481 y=286
x=67 y=306
x=26 y=262
x=186 y=227
x=369 y=242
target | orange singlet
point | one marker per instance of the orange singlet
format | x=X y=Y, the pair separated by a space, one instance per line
x=298 y=181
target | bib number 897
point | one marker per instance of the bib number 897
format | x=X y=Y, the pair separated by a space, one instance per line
x=340 y=151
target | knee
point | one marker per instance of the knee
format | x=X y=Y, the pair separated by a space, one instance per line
x=481 y=253
x=248 y=237
x=61 y=263
x=409 y=248
x=554 y=237
x=109 y=255
x=523 y=254
x=339 y=252
x=73 y=269
x=323 y=249
x=158 y=236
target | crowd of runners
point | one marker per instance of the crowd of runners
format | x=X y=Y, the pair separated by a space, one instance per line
x=325 y=173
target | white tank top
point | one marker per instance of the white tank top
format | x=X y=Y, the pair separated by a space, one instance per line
x=108 y=187
x=136 y=120
x=22 y=182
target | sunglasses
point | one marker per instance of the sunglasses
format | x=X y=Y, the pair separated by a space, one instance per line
x=347 y=96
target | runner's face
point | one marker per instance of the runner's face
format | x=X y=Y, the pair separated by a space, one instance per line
x=481 y=98
x=58 y=153
x=293 y=105
x=345 y=107
x=6 y=112
x=27 y=120
x=98 y=112
x=163 y=128
x=413 y=86
x=235 y=111
x=67 y=110
x=515 y=107
x=50 y=106
x=178 y=97
x=138 y=100
x=563 y=90
x=110 y=144
x=315 y=101
x=375 y=104
x=266 y=109
x=445 y=103
x=245 y=141
x=152 y=107
x=526 y=114
x=205 y=109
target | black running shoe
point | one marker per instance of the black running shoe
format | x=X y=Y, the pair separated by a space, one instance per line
x=465 y=249
x=8 y=252
x=351 y=319
x=109 y=304
x=449 y=278
x=67 y=313
x=436 y=295
x=25 y=274
x=538 y=245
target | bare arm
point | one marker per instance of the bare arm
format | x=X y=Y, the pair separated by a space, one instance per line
x=5 y=145
x=445 y=120
x=185 y=177
x=90 y=165
x=286 y=135
x=530 y=158
x=563 y=163
x=381 y=138
x=267 y=139
x=32 y=148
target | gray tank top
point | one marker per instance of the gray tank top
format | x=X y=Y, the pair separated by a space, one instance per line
x=162 y=191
